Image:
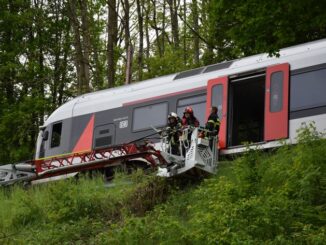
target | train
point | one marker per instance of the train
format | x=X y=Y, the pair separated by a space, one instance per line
x=261 y=100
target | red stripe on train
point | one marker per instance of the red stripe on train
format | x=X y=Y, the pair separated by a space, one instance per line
x=85 y=141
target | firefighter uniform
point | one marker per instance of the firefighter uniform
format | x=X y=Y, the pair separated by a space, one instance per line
x=173 y=132
x=213 y=125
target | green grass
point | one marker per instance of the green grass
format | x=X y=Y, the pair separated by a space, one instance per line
x=71 y=212
x=276 y=197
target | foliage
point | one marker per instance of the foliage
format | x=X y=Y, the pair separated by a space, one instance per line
x=73 y=211
x=251 y=27
x=17 y=130
x=276 y=197
x=51 y=51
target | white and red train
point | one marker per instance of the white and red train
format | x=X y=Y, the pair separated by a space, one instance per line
x=261 y=100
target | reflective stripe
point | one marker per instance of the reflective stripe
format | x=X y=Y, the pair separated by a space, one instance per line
x=217 y=123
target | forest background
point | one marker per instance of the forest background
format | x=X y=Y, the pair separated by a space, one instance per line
x=54 y=50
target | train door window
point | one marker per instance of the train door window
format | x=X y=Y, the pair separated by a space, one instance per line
x=217 y=98
x=197 y=102
x=104 y=135
x=276 y=98
x=150 y=115
x=246 y=112
x=56 y=134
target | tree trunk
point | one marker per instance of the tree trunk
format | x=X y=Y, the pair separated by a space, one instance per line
x=79 y=56
x=196 y=29
x=129 y=50
x=156 y=28
x=129 y=63
x=141 y=39
x=185 y=51
x=86 y=44
x=112 y=26
x=174 y=22
x=96 y=47
x=148 y=44
x=163 y=26
x=64 y=68
x=57 y=53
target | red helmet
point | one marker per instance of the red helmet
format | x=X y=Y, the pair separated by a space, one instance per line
x=189 y=110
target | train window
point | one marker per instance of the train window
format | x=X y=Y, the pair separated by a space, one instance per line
x=56 y=134
x=151 y=115
x=276 y=98
x=198 y=104
x=45 y=135
x=308 y=90
x=217 y=98
x=192 y=100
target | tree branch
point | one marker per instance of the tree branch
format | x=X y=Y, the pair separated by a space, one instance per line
x=196 y=33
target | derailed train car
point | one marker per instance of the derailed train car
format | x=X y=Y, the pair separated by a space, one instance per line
x=261 y=100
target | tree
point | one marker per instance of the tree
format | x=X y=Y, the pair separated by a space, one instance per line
x=81 y=43
x=251 y=27
x=112 y=27
x=141 y=38
x=195 y=17
x=128 y=44
x=173 y=4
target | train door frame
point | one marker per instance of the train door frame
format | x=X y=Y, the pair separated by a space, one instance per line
x=246 y=100
x=277 y=101
x=275 y=123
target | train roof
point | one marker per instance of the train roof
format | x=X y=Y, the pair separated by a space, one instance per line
x=298 y=56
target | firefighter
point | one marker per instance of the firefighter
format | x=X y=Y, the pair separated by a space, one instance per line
x=213 y=125
x=173 y=131
x=188 y=118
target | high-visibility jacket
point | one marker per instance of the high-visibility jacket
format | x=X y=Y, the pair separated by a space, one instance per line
x=213 y=123
x=174 y=131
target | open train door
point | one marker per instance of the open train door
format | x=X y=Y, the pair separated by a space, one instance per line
x=277 y=102
x=217 y=95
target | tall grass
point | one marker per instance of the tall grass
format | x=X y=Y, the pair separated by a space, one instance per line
x=71 y=212
x=274 y=198
x=278 y=197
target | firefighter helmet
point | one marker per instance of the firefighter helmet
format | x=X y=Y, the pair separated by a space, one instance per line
x=173 y=114
x=189 y=110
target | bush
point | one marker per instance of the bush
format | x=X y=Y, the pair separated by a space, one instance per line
x=276 y=197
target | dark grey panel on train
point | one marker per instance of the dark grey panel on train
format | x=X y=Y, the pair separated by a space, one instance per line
x=58 y=141
x=114 y=126
x=118 y=121
x=78 y=126
x=217 y=67
x=104 y=136
x=308 y=112
x=123 y=122
x=189 y=73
